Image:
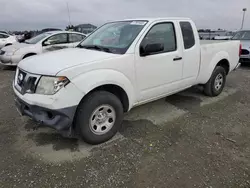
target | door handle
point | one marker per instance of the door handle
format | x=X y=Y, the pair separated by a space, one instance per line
x=177 y=58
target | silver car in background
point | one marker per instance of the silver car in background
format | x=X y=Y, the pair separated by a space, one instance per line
x=244 y=37
x=49 y=41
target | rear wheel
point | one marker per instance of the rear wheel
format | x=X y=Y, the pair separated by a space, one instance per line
x=99 y=117
x=216 y=83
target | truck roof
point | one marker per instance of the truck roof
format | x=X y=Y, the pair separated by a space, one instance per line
x=157 y=19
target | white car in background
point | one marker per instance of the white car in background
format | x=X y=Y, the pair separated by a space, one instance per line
x=49 y=41
x=6 y=40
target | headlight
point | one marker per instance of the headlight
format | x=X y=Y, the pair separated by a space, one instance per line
x=50 y=85
x=11 y=52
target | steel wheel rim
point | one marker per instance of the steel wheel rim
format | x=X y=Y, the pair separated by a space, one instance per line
x=218 y=81
x=102 y=119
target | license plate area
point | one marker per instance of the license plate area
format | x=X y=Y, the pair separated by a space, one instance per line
x=19 y=107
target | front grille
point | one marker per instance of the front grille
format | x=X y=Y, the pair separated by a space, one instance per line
x=244 y=52
x=26 y=82
x=21 y=78
x=2 y=52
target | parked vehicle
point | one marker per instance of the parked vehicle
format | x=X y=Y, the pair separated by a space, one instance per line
x=85 y=90
x=227 y=36
x=50 y=41
x=244 y=37
x=26 y=36
x=6 y=40
x=5 y=32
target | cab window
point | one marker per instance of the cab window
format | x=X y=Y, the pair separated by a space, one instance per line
x=75 y=37
x=161 y=33
x=2 y=36
x=187 y=34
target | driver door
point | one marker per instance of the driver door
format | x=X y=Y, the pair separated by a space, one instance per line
x=159 y=73
x=56 y=42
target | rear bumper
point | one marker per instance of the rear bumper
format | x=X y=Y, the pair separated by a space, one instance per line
x=59 y=119
x=56 y=111
x=245 y=60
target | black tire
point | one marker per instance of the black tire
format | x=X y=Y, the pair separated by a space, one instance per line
x=84 y=113
x=210 y=87
x=8 y=44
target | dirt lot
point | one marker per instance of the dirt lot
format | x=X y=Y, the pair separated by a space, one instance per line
x=185 y=140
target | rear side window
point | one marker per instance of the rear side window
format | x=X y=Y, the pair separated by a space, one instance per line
x=58 y=39
x=75 y=37
x=188 y=34
x=2 y=36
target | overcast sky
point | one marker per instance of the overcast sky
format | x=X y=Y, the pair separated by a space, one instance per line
x=37 y=14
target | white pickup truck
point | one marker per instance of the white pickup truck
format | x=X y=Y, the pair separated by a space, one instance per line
x=85 y=91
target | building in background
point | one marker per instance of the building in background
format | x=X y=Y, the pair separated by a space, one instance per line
x=84 y=28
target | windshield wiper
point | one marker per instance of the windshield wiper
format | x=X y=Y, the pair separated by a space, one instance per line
x=100 y=48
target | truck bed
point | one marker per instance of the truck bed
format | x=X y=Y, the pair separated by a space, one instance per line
x=212 y=51
x=204 y=42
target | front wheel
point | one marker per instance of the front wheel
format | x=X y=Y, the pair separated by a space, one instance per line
x=216 y=83
x=99 y=117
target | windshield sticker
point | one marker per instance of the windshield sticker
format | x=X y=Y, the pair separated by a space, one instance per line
x=138 y=23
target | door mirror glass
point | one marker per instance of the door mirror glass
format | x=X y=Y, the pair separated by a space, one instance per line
x=47 y=43
x=151 y=49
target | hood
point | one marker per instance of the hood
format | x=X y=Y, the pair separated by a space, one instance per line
x=245 y=44
x=16 y=46
x=51 y=63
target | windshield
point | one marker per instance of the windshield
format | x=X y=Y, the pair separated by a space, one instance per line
x=37 y=38
x=242 y=35
x=115 y=37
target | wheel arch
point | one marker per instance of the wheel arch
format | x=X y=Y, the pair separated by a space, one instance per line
x=220 y=59
x=29 y=54
x=115 y=89
x=108 y=80
x=118 y=91
x=225 y=64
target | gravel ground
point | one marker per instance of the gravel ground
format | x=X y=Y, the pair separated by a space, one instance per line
x=202 y=144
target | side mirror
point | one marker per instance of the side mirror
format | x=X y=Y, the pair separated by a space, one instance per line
x=47 y=43
x=151 y=49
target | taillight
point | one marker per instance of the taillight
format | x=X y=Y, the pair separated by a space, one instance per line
x=240 y=50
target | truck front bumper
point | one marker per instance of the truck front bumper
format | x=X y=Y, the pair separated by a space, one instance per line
x=59 y=119
x=54 y=111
